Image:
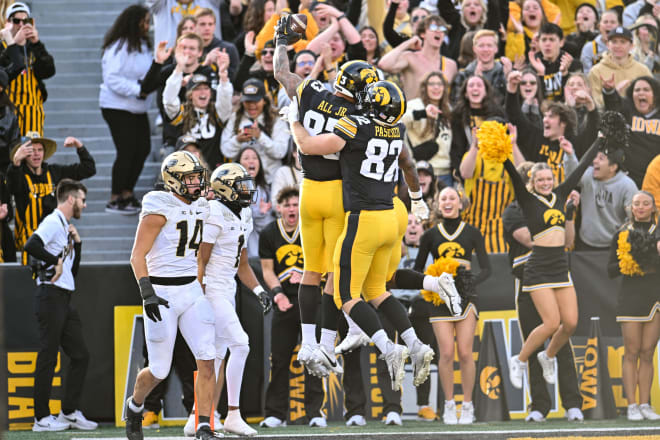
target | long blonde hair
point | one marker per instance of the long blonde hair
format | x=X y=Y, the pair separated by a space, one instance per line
x=538 y=166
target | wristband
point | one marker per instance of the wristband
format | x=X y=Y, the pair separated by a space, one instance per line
x=146 y=289
x=276 y=290
x=258 y=290
x=415 y=195
x=341 y=16
x=204 y=280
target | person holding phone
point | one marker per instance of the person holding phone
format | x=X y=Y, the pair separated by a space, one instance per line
x=26 y=87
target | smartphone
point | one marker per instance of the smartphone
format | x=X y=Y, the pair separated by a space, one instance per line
x=29 y=21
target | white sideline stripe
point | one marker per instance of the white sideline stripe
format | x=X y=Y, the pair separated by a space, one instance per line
x=444 y=433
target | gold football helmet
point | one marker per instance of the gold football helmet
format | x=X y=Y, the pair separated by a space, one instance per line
x=232 y=182
x=176 y=167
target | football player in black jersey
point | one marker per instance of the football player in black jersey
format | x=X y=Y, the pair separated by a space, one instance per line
x=321 y=204
x=370 y=148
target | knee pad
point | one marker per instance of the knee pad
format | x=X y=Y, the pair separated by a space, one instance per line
x=238 y=350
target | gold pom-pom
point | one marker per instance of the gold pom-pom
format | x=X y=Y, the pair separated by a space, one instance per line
x=440 y=266
x=627 y=264
x=494 y=142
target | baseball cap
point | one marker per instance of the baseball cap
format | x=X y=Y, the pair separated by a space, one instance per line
x=423 y=165
x=17 y=7
x=184 y=141
x=622 y=32
x=196 y=80
x=253 y=90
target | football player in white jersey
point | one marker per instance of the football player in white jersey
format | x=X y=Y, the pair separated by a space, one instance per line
x=164 y=260
x=222 y=255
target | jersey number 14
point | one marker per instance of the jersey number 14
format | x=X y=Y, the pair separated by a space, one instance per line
x=195 y=240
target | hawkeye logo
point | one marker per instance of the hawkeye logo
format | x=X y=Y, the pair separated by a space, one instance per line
x=290 y=255
x=382 y=96
x=451 y=250
x=368 y=76
x=553 y=217
x=490 y=382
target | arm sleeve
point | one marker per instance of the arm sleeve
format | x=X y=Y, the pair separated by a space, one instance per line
x=171 y=101
x=77 y=247
x=243 y=72
x=531 y=131
x=574 y=178
x=518 y=186
x=35 y=247
x=570 y=163
x=459 y=145
x=589 y=134
x=223 y=96
x=425 y=150
x=423 y=253
x=44 y=65
x=356 y=51
x=613 y=270
x=13 y=61
x=484 y=263
x=82 y=170
x=390 y=34
x=353 y=12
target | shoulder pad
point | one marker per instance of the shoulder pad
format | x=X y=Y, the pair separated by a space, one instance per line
x=158 y=202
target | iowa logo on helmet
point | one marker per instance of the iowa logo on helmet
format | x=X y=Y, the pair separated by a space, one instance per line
x=367 y=76
x=382 y=96
x=490 y=381
x=553 y=217
x=290 y=255
x=451 y=250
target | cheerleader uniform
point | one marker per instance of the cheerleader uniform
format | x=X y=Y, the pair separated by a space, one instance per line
x=638 y=298
x=547 y=267
x=454 y=239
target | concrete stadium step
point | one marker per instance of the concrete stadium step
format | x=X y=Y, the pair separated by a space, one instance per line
x=75 y=55
x=76 y=90
x=108 y=228
x=92 y=6
x=77 y=41
x=106 y=256
x=105 y=218
x=59 y=117
x=70 y=79
x=103 y=182
x=73 y=103
x=82 y=65
x=108 y=243
x=97 y=145
x=104 y=169
x=81 y=131
x=80 y=30
x=102 y=18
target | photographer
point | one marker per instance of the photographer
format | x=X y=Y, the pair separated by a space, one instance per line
x=32 y=181
x=56 y=247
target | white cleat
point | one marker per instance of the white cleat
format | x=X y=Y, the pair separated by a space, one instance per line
x=421 y=357
x=235 y=424
x=326 y=360
x=77 y=420
x=318 y=422
x=449 y=293
x=516 y=371
x=351 y=342
x=393 y=418
x=574 y=415
x=49 y=424
x=449 y=415
x=395 y=358
x=272 y=422
x=548 y=366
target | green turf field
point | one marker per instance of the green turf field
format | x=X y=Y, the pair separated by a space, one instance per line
x=606 y=429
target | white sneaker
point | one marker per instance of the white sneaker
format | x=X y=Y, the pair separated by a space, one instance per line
x=189 y=428
x=327 y=360
x=395 y=358
x=648 y=412
x=535 y=416
x=548 y=365
x=393 y=418
x=77 y=420
x=575 y=415
x=516 y=371
x=318 y=422
x=421 y=356
x=467 y=414
x=634 y=414
x=49 y=423
x=351 y=342
x=235 y=424
x=217 y=423
x=451 y=297
x=272 y=422
x=356 y=420
x=449 y=415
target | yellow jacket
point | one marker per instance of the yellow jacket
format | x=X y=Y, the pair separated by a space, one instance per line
x=568 y=8
x=630 y=70
x=652 y=180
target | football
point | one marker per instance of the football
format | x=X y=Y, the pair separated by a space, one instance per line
x=298 y=23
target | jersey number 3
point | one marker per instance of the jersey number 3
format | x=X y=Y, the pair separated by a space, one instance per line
x=195 y=240
x=377 y=151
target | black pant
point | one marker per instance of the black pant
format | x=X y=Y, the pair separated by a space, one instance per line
x=568 y=384
x=355 y=400
x=59 y=325
x=184 y=364
x=132 y=138
x=419 y=318
x=285 y=332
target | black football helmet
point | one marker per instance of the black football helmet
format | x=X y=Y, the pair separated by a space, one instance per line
x=353 y=77
x=384 y=102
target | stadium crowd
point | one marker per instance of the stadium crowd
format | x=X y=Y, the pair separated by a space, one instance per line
x=555 y=74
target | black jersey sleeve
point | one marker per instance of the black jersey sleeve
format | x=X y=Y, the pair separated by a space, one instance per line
x=522 y=195
x=423 y=252
x=573 y=179
x=266 y=247
x=482 y=257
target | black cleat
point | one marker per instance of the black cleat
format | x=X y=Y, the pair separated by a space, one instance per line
x=133 y=423
x=205 y=433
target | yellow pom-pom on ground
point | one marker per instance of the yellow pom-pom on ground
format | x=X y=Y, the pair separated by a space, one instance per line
x=440 y=266
x=494 y=142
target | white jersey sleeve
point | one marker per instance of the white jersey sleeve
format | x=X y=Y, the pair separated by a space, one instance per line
x=174 y=252
x=230 y=233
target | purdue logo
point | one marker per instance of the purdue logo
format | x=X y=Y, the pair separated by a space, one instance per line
x=290 y=255
x=382 y=96
x=489 y=382
x=553 y=217
x=451 y=250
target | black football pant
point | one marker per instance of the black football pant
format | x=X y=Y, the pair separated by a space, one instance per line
x=285 y=332
x=59 y=325
x=568 y=384
x=185 y=365
x=132 y=138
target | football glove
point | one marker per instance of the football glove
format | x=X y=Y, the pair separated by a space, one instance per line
x=150 y=300
x=264 y=298
x=283 y=33
x=419 y=209
x=289 y=113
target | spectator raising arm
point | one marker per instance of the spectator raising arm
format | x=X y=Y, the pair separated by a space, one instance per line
x=397 y=59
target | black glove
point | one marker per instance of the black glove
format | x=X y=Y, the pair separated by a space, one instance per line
x=570 y=210
x=283 y=33
x=150 y=300
x=266 y=301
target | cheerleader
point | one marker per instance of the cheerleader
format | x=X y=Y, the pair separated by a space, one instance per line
x=546 y=276
x=451 y=243
x=634 y=254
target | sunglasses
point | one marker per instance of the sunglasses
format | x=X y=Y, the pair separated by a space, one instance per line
x=434 y=27
x=527 y=83
x=305 y=63
x=22 y=20
x=267 y=52
x=416 y=18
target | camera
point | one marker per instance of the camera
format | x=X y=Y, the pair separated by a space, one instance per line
x=40 y=269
